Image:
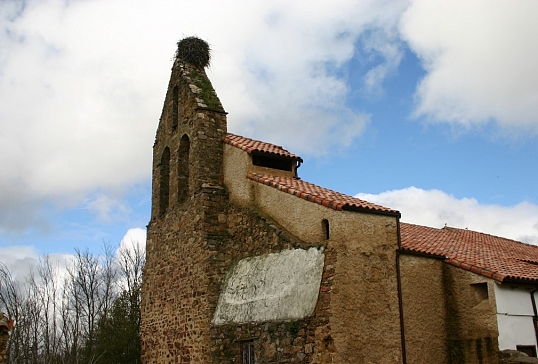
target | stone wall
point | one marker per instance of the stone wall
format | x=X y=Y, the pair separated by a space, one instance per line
x=425 y=310
x=5 y=327
x=180 y=286
x=193 y=241
x=207 y=217
x=471 y=319
x=363 y=294
x=449 y=313
x=304 y=340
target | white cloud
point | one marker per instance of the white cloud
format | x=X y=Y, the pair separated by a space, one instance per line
x=480 y=57
x=436 y=208
x=107 y=208
x=82 y=85
x=132 y=238
x=82 y=82
x=21 y=261
x=392 y=54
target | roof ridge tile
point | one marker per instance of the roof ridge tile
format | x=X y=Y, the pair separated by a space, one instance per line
x=251 y=145
x=485 y=254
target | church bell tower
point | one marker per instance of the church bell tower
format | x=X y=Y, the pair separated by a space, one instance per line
x=180 y=290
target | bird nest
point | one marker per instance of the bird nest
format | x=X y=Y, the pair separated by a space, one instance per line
x=194 y=50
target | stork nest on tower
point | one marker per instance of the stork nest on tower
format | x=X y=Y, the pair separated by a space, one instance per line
x=194 y=50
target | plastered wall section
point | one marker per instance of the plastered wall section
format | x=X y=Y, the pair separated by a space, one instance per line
x=237 y=163
x=449 y=317
x=273 y=287
x=425 y=311
x=364 y=299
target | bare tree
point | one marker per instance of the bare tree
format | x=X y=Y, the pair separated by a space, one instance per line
x=69 y=319
x=131 y=261
x=119 y=332
x=91 y=284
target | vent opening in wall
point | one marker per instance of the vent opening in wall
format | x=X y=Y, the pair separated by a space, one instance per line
x=246 y=352
x=480 y=291
x=326 y=229
x=164 y=181
x=175 y=107
x=183 y=169
x=269 y=162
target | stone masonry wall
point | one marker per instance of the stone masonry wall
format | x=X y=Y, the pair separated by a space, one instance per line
x=178 y=287
x=193 y=242
x=175 y=301
x=425 y=309
x=307 y=340
x=471 y=320
x=447 y=319
x=363 y=292
x=196 y=234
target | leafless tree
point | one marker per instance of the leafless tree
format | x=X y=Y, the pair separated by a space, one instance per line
x=131 y=260
x=57 y=317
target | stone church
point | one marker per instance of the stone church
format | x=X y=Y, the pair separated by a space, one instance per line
x=248 y=263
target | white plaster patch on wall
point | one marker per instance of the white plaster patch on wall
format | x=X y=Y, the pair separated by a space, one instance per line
x=514 y=317
x=273 y=287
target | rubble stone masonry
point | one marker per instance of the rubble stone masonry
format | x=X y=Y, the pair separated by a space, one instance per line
x=206 y=217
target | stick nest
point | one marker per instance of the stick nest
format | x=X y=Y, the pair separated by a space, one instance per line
x=195 y=51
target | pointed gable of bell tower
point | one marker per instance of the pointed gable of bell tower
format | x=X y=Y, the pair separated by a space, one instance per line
x=188 y=196
x=188 y=151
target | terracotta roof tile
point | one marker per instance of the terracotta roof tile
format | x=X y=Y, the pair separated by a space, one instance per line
x=322 y=196
x=487 y=255
x=251 y=145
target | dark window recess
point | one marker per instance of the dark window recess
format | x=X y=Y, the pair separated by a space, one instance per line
x=246 y=349
x=326 y=229
x=530 y=350
x=164 y=181
x=275 y=163
x=183 y=169
x=480 y=292
x=175 y=107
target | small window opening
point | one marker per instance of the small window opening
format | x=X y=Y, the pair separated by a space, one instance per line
x=326 y=229
x=479 y=297
x=175 y=107
x=480 y=292
x=274 y=163
x=246 y=351
x=164 y=181
x=530 y=350
x=183 y=169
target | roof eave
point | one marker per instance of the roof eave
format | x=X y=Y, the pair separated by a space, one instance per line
x=520 y=281
x=275 y=155
x=371 y=211
x=421 y=254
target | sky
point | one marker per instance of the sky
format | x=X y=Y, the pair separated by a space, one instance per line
x=429 y=107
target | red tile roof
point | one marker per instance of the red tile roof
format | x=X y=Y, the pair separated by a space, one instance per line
x=251 y=145
x=320 y=195
x=491 y=256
